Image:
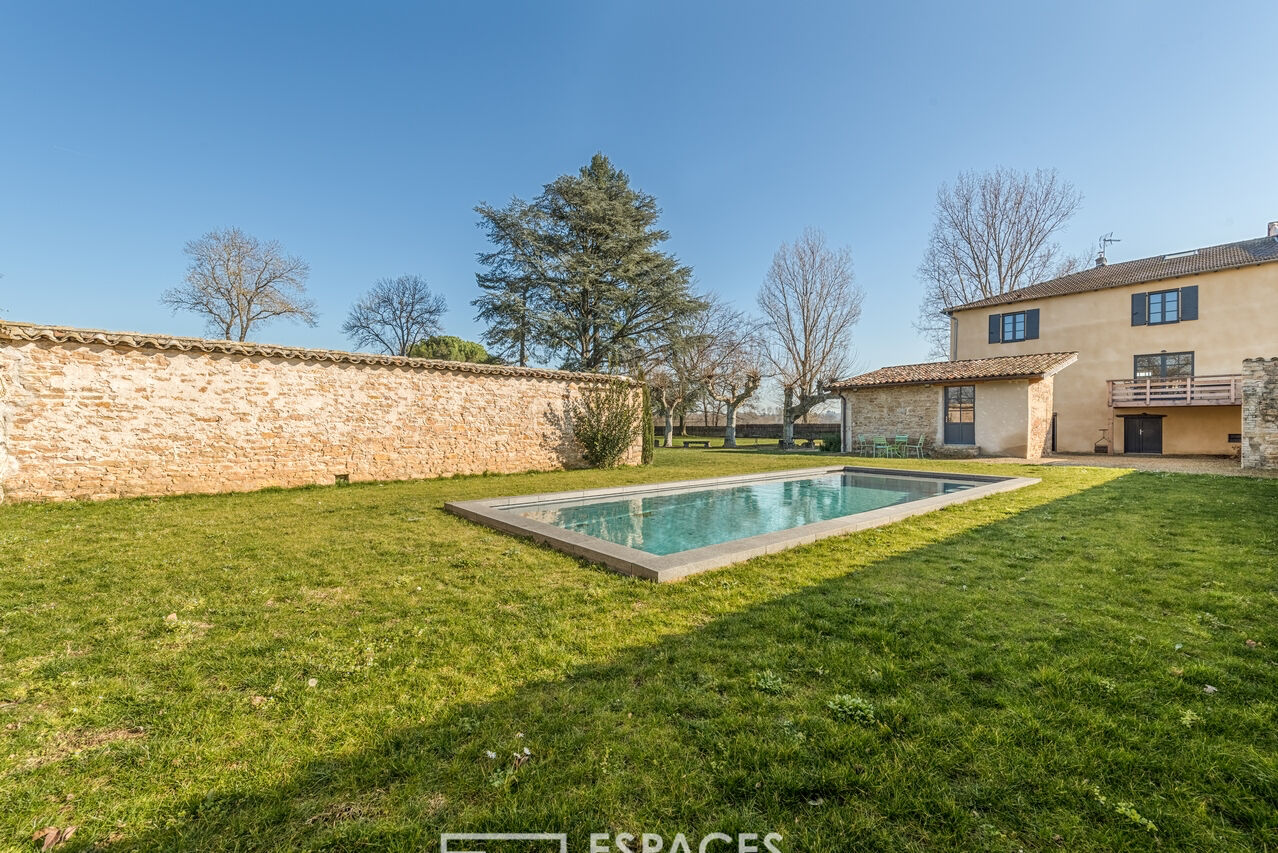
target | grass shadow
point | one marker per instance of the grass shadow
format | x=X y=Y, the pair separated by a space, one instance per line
x=1023 y=684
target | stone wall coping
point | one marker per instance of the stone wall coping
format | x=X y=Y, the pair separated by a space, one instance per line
x=16 y=332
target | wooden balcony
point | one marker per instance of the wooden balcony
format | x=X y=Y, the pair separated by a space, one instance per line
x=1176 y=391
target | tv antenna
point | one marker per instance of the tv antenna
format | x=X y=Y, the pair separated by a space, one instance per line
x=1103 y=244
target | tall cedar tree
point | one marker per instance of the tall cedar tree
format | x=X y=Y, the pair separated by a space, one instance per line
x=577 y=275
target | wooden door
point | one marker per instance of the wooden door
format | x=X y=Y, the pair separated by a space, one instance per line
x=1142 y=435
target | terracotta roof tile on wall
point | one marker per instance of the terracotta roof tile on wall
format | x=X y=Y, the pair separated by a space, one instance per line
x=1210 y=259
x=24 y=332
x=971 y=370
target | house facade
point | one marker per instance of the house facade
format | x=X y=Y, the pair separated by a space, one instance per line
x=1161 y=343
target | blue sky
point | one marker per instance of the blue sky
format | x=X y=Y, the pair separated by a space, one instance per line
x=362 y=135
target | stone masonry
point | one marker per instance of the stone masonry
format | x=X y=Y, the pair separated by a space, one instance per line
x=88 y=414
x=1260 y=413
x=1040 y=417
x=893 y=410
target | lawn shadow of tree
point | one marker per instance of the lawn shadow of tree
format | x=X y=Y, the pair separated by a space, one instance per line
x=980 y=662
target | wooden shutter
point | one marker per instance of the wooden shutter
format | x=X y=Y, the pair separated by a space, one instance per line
x=996 y=328
x=1189 y=302
x=1140 y=301
x=1031 y=324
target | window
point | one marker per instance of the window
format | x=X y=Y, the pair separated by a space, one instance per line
x=1164 y=307
x=960 y=414
x=1017 y=326
x=1014 y=327
x=1164 y=364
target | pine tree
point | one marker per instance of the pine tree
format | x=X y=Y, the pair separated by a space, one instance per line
x=578 y=274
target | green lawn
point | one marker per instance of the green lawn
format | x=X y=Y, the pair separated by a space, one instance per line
x=1021 y=672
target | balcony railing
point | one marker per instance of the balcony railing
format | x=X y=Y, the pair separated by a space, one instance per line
x=1176 y=391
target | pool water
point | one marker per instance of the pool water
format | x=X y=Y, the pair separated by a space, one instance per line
x=679 y=520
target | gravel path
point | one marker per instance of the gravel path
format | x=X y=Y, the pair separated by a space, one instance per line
x=1170 y=464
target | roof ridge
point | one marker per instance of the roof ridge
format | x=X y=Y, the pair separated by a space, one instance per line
x=17 y=331
x=1025 y=366
x=1206 y=259
x=968 y=360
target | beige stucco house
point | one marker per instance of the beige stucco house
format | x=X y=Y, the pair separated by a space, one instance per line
x=1160 y=344
x=996 y=406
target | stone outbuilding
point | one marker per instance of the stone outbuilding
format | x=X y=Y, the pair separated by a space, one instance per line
x=984 y=406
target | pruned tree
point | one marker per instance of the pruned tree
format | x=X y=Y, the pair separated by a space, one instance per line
x=810 y=302
x=395 y=314
x=992 y=233
x=578 y=273
x=237 y=282
x=673 y=371
x=733 y=364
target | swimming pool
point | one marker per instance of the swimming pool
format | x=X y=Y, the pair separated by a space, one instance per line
x=669 y=530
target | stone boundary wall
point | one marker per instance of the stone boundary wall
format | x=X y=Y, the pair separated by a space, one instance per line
x=88 y=414
x=772 y=431
x=1260 y=413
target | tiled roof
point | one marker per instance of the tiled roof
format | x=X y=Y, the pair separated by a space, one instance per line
x=24 y=332
x=1210 y=259
x=971 y=370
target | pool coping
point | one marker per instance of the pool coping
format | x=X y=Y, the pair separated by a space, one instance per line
x=671 y=567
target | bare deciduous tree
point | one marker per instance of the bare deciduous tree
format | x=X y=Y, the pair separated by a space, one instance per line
x=993 y=233
x=733 y=363
x=237 y=282
x=810 y=303
x=395 y=314
x=673 y=370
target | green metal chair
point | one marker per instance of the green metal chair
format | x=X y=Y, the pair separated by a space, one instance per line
x=899 y=445
x=881 y=446
x=862 y=446
x=916 y=448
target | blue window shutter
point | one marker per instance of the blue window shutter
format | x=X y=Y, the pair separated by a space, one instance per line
x=1139 y=303
x=996 y=328
x=1189 y=302
x=1031 y=324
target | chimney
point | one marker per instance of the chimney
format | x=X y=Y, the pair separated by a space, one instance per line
x=1273 y=229
x=1100 y=259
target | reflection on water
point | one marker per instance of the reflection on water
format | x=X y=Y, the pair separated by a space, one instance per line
x=667 y=523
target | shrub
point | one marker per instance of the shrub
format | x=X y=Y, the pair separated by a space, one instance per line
x=831 y=443
x=606 y=422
